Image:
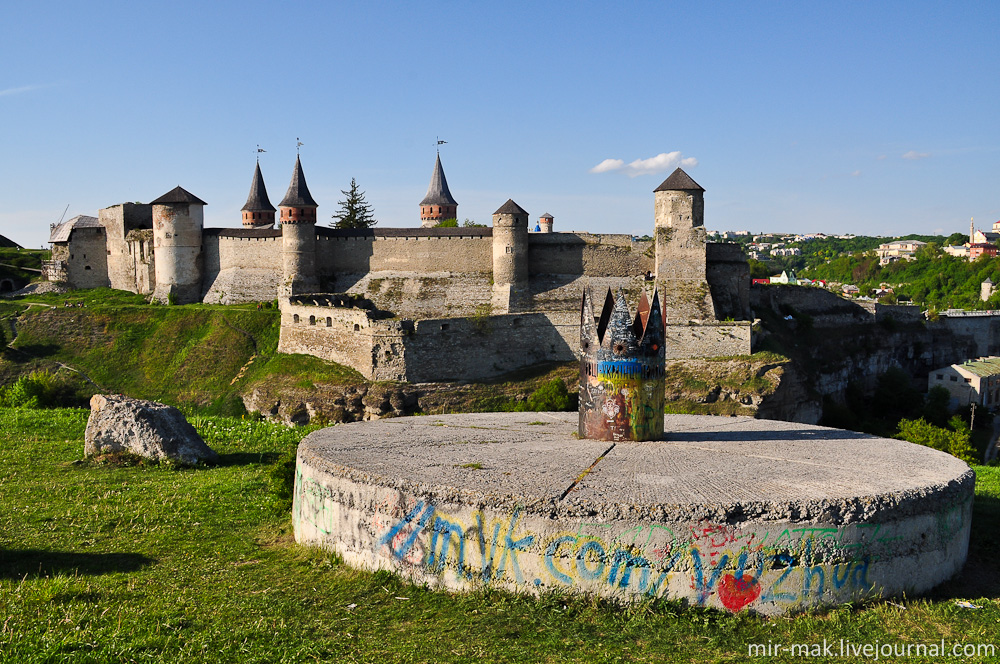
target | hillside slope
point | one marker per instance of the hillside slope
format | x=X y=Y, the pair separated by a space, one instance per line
x=223 y=360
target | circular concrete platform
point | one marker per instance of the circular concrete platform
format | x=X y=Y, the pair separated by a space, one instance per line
x=734 y=513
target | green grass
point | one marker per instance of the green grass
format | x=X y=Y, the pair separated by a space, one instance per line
x=160 y=564
x=197 y=357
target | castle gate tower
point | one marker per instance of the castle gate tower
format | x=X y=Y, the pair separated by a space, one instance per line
x=258 y=211
x=298 y=236
x=680 y=249
x=438 y=204
x=510 y=259
x=178 y=219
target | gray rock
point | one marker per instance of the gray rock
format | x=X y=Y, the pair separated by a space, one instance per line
x=148 y=429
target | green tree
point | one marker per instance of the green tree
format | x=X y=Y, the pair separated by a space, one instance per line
x=955 y=443
x=758 y=269
x=956 y=238
x=355 y=211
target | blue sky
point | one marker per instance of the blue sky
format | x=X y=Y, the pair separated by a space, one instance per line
x=840 y=117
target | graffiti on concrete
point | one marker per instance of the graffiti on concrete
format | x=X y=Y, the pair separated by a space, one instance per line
x=711 y=564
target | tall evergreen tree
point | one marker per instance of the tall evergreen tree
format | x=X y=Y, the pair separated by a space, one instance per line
x=355 y=211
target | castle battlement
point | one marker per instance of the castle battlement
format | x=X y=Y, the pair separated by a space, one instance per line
x=467 y=302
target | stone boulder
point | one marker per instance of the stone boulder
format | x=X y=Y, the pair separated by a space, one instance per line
x=148 y=429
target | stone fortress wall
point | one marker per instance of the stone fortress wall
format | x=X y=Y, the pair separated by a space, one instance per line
x=440 y=303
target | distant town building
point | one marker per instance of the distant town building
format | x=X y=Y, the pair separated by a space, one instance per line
x=974 y=381
x=958 y=250
x=900 y=249
x=986 y=289
x=982 y=249
x=984 y=237
x=850 y=289
x=790 y=251
x=786 y=277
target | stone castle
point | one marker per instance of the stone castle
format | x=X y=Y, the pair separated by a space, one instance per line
x=417 y=304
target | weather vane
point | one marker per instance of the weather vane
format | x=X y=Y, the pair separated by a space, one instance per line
x=440 y=142
x=298 y=144
x=259 y=150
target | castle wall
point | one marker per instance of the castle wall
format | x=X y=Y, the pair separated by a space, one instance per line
x=419 y=295
x=415 y=251
x=139 y=262
x=611 y=255
x=87 y=266
x=467 y=348
x=982 y=331
x=485 y=347
x=125 y=270
x=708 y=340
x=561 y=265
x=728 y=276
x=345 y=336
x=415 y=273
x=241 y=265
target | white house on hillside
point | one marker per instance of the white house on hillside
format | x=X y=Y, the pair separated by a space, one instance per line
x=974 y=381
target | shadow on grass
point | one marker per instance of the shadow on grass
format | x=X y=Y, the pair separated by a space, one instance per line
x=18 y=563
x=980 y=577
x=247 y=459
x=37 y=350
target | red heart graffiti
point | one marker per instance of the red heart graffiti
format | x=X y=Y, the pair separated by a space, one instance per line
x=736 y=594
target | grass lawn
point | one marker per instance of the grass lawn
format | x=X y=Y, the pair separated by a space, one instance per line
x=104 y=563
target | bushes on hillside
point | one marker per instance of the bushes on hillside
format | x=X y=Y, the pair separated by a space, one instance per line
x=39 y=389
x=551 y=396
x=36 y=390
x=953 y=440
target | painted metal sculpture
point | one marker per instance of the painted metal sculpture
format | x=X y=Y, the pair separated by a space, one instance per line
x=621 y=369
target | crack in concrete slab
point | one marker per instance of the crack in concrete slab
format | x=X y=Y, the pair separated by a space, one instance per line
x=586 y=472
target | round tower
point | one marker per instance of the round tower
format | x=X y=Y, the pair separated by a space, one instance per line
x=178 y=219
x=258 y=211
x=438 y=204
x=545 y=223
x=298 y=236
x=681 y=247
x=510 y=259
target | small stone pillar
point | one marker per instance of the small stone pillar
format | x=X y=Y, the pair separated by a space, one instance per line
x=622 y=365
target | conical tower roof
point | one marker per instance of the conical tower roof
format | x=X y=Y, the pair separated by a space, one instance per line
x=178 y=195
x=437 y=192
x=298 y=195
x=679 y=181
x=510 y=207
x=258 y=201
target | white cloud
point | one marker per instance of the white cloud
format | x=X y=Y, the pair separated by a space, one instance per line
x=856 y=174
x=608 y=165
x=913 y=154
x=658 y=164
x=16 y=91
x=881 y=157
